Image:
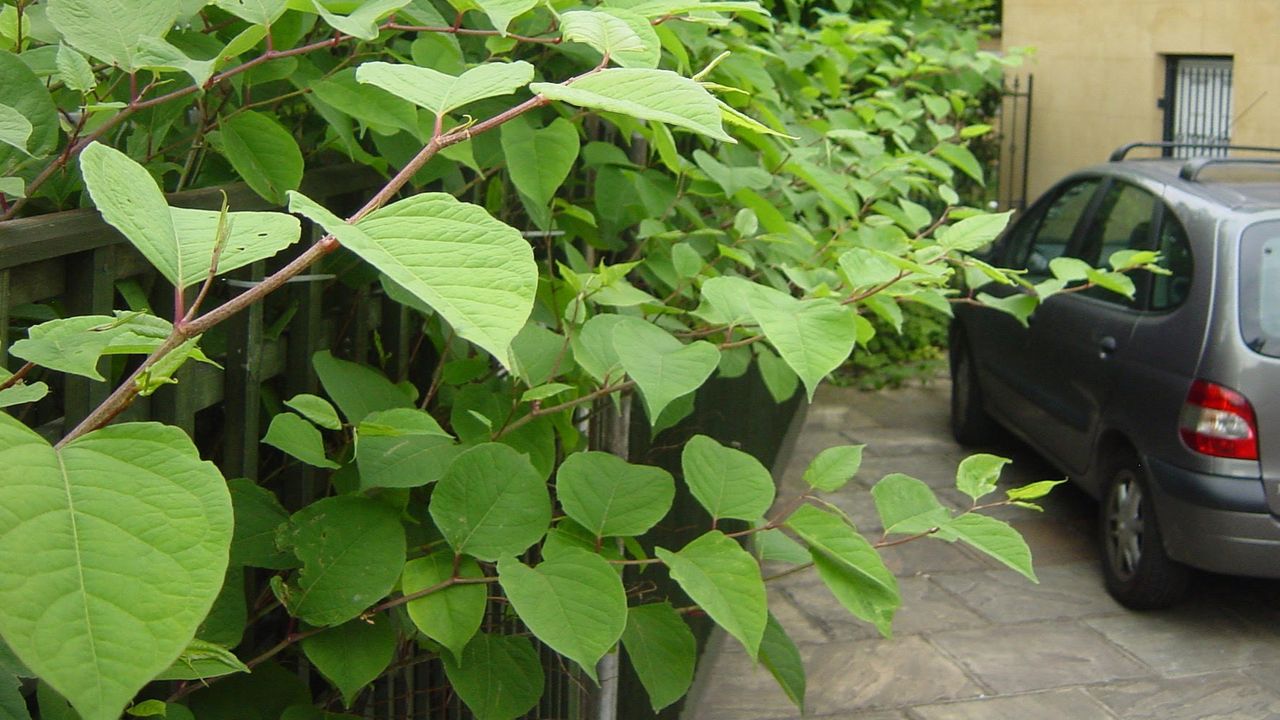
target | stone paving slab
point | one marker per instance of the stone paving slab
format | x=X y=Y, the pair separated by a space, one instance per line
x=1221 y=696
x=1070 y=704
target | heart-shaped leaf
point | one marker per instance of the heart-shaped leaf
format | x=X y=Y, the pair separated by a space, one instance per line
x=258 y=12
x=499 y=677
x=610 y=496
x=264 y=153
x=663 y=652
x=110 y=30
x=646 y=94
x=813 y=336
x=491 y=503
x=724 y=580
x=353 y=654
x=440 y=92
x=663 y=367
x=626 y=38
x=83 y=554
x=450 y=616
x=363 y=21
x=539 y=160
x=728 y=483
x=849 y=565
x=502 y=12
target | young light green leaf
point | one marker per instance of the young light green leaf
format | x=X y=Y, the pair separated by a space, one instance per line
x=352 y=550
x=612 y=497
x=22 y=393
x=907 y=506
x=299 y=438
x=646 y=94
x=834 y=467
x=363 y=21
x=724 y=580
x=539 y=160
x=963 y=160
x=728 y=483
x=259 y=516
x=662 y=650
x=593 y=348
x=252 y=236
x=156 y=54
x=977 y=475
x=73 y=345
x=543 y=392
x=776 y=546
x=357 y=389
x=502 y=12
x=849 y=565
x=997 y=539
x=403 y=447
x=257 y=12
x=82 y=555
x=973 y=232
x=450 y=616
x=814 y=336
x=202 y=660
x=491 y=503
x=111 y=31
x=262 y=152
x=574 y=602
x=499 y=677
x=538 y=354
x=613 y=36
x=1033 y=491
x=442 y=93
x=663 y=367
x=15 y=128
x=316 y=409
x=779 y=654
x=14 y=187
x=353 y=654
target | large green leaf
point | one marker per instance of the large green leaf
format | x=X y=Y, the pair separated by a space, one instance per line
x=15 y=128
x=849 y=566
x=264 y=154
x=724 y=580
x=573 y=602
x=539 y=160
x=491 y=503
x=663 y=652
x=372 y=106
x=179 y=242
x=834 y=467
x=299 y=438
x=813 y=336
x=23 y=91
x=628 y=39
x=499 y=677
x=259 y=516
x=352 y=551
x=402 y=448
x=363 y=21
x=663 y=367
x=728 y=483
x=963 y=160
x=115 y=547
x=450 y=616
x=353 y=654
x=593 y=348
x=357 y=389
x=907 y=506
x=995 y=538
x=110 y=30
x=73 y=345
x=609 y=496
x=316 y=409
x=477 y=272
x=778 y=653
x=502 y=12
x=159 y=55
x=974 y=232
x=440 y=92
x=646 y=94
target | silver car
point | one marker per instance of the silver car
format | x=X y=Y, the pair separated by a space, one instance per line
x=1166 y=407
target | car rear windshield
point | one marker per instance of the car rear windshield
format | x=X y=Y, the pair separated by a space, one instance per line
x=1260 y=287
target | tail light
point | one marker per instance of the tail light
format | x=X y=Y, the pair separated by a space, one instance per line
x=1219 y=421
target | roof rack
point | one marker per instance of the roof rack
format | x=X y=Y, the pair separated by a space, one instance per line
x=1191 y=169
x=1123 y=150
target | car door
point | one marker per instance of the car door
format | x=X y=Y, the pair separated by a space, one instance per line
x=1080 y=341
x=1006 y=361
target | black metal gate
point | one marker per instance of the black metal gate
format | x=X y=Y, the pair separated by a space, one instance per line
x=1015 y=141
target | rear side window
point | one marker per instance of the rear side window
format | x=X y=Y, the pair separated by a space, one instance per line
x=1260 y=288
x=1169 y=291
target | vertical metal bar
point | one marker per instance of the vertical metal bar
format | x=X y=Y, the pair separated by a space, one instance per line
x=1171 y=100
x=1026 y=143
x=243 y=385
x=5 y=302
x=1015 y=98
x=90 y=291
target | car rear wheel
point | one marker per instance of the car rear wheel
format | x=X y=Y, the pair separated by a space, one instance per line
x=970 y=423
x=1138 y=572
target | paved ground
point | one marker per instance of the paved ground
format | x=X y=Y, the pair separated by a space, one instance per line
x=977 y=641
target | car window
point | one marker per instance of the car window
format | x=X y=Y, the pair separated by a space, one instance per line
x=1122 y=222
x=1053 y=231
x=1168 y=291
x=1260 y=287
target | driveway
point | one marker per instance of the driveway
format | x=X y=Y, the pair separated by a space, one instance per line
x=975 y=640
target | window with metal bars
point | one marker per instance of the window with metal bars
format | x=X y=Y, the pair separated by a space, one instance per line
x=1197 y=104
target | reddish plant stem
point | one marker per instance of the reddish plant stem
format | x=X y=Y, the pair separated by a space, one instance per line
x=17 y=377
x=454 y=30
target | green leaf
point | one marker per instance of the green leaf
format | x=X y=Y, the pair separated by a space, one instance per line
x=357 y=389
x=477 y=272
x=23 y=91
x=834 y=467
x=658 y=8
x=962 y=159
x=353 y=654
x=609 y=32
x=256 y=12
x=402 y=448
x=907 y=506
x=610 y=496
x=264 y=154
x=997 y=539
x=440 y=92
x=491 y=503
x=645 y=94
x=1020 y=306
x=202 y=660
x=813 y=336
x=451 y=616
x=23 y=393
x=502 y=12
x=661 y=366
x=250 y=237
x=15 y=128
x=372 y=106
x=849 y=566
x=73 y=345
x=110 y=31
x=363 y=21
x=538 y=354
x=593 y=348
x=117 y=540
x=352 y=551
x=973 y=232
x=778 y=653
x=316 y=409
x=724 y=580
x=259 y=516
x=14 y=187
x=977 y=475
x=732 y=179
x=13 y=706
x=662 y=650
x=776 y=546
x=499 y=677
x=542 y=392
x=1033 y=491
x=573 y=602
x=157 y=54
x=728 y=483
x=299 y=438
x=539 y=160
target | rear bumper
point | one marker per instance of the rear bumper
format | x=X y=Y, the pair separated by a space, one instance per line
x=1216 y=523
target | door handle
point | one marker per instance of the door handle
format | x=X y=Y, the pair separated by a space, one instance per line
x=1106 y=346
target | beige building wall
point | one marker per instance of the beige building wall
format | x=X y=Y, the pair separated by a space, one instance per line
x=1099 y=68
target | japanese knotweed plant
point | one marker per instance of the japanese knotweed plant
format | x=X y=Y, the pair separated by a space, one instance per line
x=709 y=194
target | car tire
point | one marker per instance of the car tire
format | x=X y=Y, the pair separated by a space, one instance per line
x=970 y=423
x=1138 y=572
